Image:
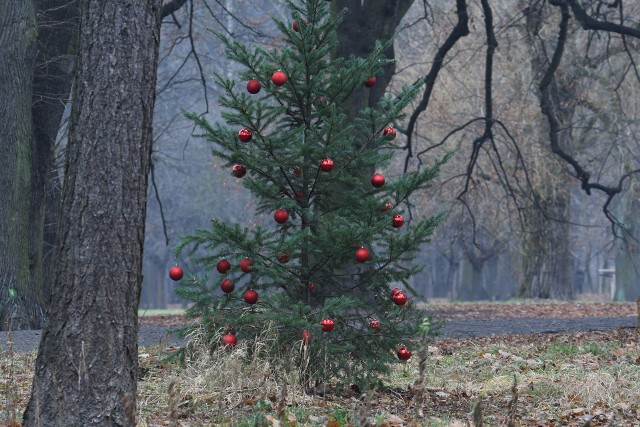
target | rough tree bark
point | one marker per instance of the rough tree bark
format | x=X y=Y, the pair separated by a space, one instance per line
x=18 y=33
x=86 y=369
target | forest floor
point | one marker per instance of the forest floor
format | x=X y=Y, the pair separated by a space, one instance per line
x=561 y=379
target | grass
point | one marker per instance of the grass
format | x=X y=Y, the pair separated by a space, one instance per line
x=561 y=379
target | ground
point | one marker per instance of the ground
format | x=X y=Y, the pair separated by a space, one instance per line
x=561 y=379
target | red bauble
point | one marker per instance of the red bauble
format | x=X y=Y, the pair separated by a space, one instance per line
x=229 y=340
x=386 y=207
x=395 y=291
x=239 y=171
x=400 y=298
x=279 y=78
x=253 y=86
x=245 y=265
x=250 y=296
x=227 y=286
x=377 y=180
x=375 y=324
x=389 y=133
x=245 y=135
x=297 y=171
x=223 y=266
x=326 y=165
x=176 y=273
x=281 y=216
x=284 y=258
x=371 y=82
x=295 y=26
x=403 y=353
x=306 y=337
x=362 y=255
x=298 y=195
x=397 y=222
x=327 y=325
x=311 y=286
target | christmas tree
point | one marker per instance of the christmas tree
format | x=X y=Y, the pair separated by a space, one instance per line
x=323 y=274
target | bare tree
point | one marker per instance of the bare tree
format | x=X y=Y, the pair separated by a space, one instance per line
x=86 y=369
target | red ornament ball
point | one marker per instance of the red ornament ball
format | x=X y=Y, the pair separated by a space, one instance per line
x=281 y=216
x=250 y=296
x=246 y=264
x=397 y=221
x=295 y=26
x=298 y=195
x=284 y=258
x=403 y=353
x=395 y=291
x=371 y=82
x=327 y=325
x=227 y=286
x=389 y=133
x=311 y=286
x=362 y=255
x=326 y=165
x=176 y=273
x=245 y=135
x=297 y=171
x=306 y=337
x=279 y=78
x=223 y=266
x=375 y=325
x=239 y=171
x=229 y=340
x=386 y=207
x=400 y=298
x=377 y=180
x=253 y=86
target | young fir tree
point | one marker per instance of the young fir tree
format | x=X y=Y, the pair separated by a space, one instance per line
x=323 y=273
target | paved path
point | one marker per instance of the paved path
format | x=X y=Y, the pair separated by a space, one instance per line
x=24 y=341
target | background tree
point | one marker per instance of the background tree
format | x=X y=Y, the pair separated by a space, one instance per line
x=88 y=354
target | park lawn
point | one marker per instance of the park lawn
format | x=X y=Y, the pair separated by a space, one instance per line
x=562 y=379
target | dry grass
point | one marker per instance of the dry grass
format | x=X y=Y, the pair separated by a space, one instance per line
x=562 y=379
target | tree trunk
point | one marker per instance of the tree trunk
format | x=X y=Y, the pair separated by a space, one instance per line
x=18 y=33
x=627 y=276
x=57 y=46
x=86 y=369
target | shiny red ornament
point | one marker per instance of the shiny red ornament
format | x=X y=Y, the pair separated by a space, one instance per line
x=389 y=133
x=295 y=26
x=375 y=325
x=371 y=82
x=363 y=255
x=176 y=273
x=377 y=180
x=311 y=286
x=227 y=286
x=400 y=298
x=386 y=207
x=327 y=325
x=403 y=353
x=250 y=296
x=239 y=171
x=397 y=221
x=326 y=165
x=246 y=264
x=223 y=266
x=253 y=86
x=395 y=291
x=281 y=216
x=306 y=337
x=298 y=195
x=284 y=258
x=297 y=171
x=279 y=78
x=229 y=340
x=245 y=135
